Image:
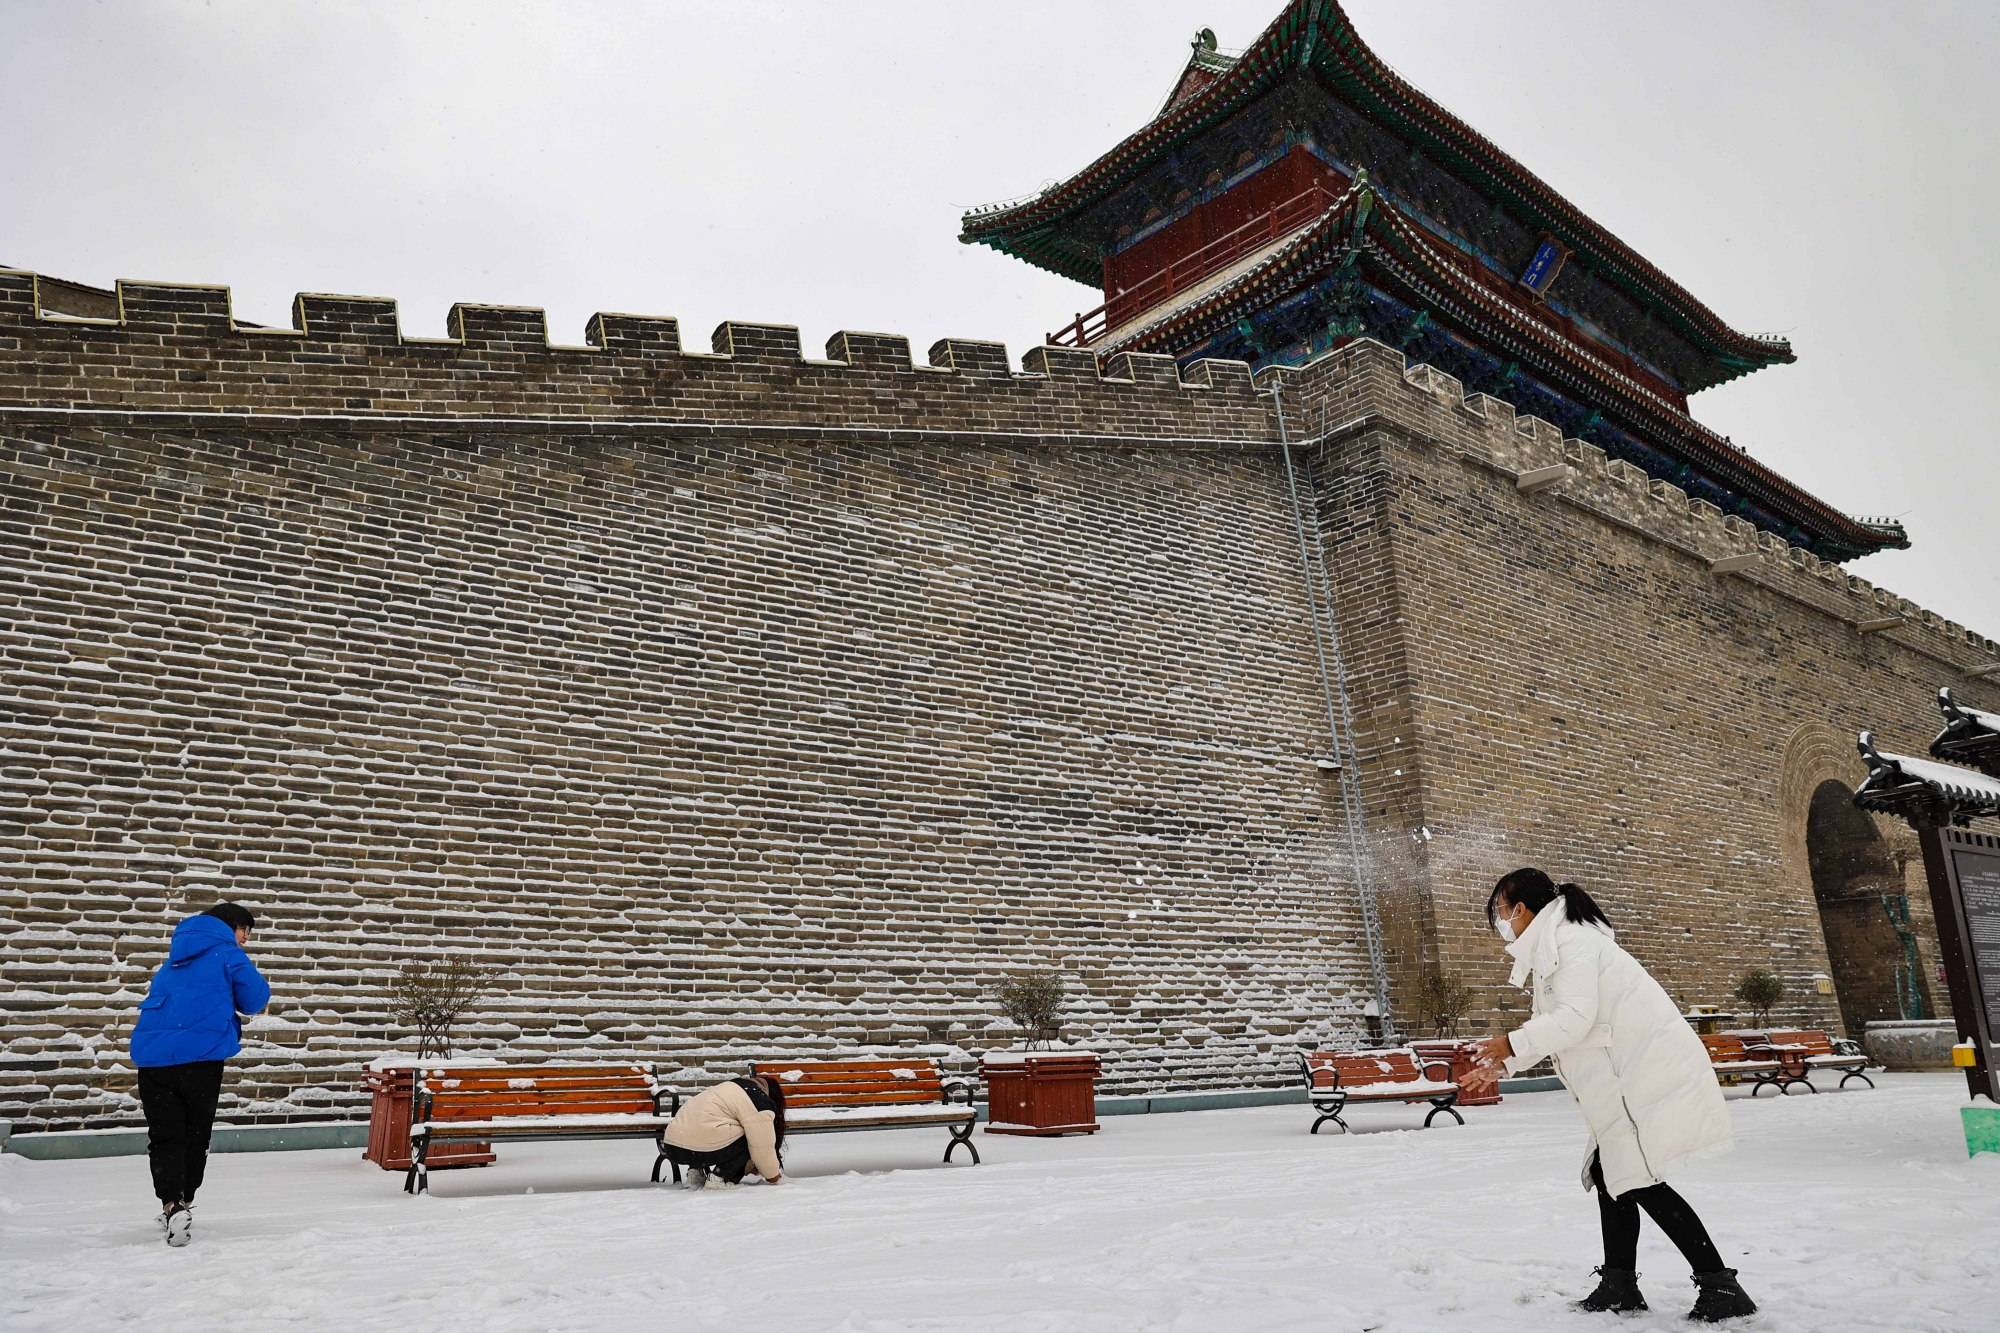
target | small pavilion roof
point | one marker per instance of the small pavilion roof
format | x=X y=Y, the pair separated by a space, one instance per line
x=1316 y=36
x=1399 y=255
x=1970 y=736
x=1923 y=790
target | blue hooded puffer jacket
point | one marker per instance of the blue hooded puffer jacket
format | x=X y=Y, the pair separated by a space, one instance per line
x=190 y=1013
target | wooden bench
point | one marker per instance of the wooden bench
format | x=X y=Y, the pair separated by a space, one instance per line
x=521 y=1102
x=1733 y=1055
x=1336 y=1078
x=1802 y=1050
x=834 y=1096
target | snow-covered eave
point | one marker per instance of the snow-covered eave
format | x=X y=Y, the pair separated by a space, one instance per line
x=1924 y=789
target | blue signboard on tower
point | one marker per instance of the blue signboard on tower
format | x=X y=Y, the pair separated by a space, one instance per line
x=1542 y=269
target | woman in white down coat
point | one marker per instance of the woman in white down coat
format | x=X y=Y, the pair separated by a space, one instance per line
x=1641 y=1077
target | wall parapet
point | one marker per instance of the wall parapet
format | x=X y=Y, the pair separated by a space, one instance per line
x=1433 y=408
x=177 y=346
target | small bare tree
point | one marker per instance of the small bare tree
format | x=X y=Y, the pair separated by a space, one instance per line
x=1033 y=1002
x=1443 y=1001
x=1759 y=992
x=431 y=997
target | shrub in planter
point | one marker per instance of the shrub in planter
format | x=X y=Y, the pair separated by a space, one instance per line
x=429 y=998
x=1033 y=1002
x=432 y=997
x=1043 y=1089
x=1442 y=1003
x=1759 y=992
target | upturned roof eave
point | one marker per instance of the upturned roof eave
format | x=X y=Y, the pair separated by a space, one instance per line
x=1318 y=33
x=1652 y=417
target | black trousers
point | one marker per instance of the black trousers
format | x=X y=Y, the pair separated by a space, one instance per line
x=180 y=1110
x=731 y=1161
x=1670 y=1213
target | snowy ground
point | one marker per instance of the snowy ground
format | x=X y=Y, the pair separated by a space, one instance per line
x=1853 y=1210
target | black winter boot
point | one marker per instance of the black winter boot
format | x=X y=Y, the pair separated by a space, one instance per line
x=1722 y=1297
x=1617 y=1292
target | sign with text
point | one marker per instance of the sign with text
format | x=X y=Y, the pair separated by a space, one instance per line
x=1543 y=267
x=1968 y=917
x=1978 y=875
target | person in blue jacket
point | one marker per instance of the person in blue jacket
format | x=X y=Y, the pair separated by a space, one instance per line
x=188 y=1025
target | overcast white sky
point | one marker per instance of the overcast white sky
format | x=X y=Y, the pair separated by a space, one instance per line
x=1825 y=170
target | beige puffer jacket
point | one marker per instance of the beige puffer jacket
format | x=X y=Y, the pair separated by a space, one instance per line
x=717 y=1117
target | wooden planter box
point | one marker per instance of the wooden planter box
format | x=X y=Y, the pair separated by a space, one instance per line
x=389 y=1126
x=1042 y=1094
x=1460 y=1053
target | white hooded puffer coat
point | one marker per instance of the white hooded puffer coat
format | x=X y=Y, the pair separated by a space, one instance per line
x=1620 y=1045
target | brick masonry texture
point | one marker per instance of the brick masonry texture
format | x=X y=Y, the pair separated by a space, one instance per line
x=1559 y=679
x=736 y=704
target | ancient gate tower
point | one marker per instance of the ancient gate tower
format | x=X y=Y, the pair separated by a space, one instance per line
x=732 y=703
x=1298 y=197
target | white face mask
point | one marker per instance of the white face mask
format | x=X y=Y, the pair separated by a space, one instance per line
x=1505 y=925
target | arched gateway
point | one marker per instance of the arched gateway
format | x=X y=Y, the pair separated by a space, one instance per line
x=1857 y=879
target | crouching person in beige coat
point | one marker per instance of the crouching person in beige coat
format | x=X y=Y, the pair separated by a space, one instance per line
x=1640 y=1077
x=730 y=1129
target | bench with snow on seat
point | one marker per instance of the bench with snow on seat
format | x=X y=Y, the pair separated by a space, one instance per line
x=522 y=1102
x=1802 y=1050
x=1336 y=1078
x=1744 y=1056
x=835 y=1096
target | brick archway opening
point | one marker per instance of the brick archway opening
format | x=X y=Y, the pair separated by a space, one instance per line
x=1857 y=880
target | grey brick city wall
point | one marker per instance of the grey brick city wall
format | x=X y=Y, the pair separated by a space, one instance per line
x=739 y=705
x=1559 y=679
x=720 y=744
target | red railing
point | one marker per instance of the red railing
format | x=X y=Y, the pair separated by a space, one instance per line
x=1194 y=266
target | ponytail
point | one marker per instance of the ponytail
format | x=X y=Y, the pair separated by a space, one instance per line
x=1534 y=890
x=1582 y=908
x=777 y=1090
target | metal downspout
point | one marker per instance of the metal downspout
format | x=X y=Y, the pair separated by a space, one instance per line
x=1339 y=720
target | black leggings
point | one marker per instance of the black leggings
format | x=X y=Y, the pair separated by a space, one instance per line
x=179 y=1101
x=731 y=1162
x=1670 y=1213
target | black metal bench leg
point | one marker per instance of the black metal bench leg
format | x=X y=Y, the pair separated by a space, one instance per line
x=661 y=1161
x=1856 y=1073
x=962 y=1135
x=1801 y=1079
x=419 y=1179
x=1444 y=1105
x=1332 y=1113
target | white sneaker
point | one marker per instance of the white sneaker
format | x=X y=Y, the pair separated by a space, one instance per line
x=178 y=1224
x=697 y=1177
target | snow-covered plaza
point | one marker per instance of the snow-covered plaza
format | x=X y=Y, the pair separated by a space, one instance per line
x=1844 y=1211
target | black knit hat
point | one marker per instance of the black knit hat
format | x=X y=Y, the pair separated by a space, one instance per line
x=232 y=916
